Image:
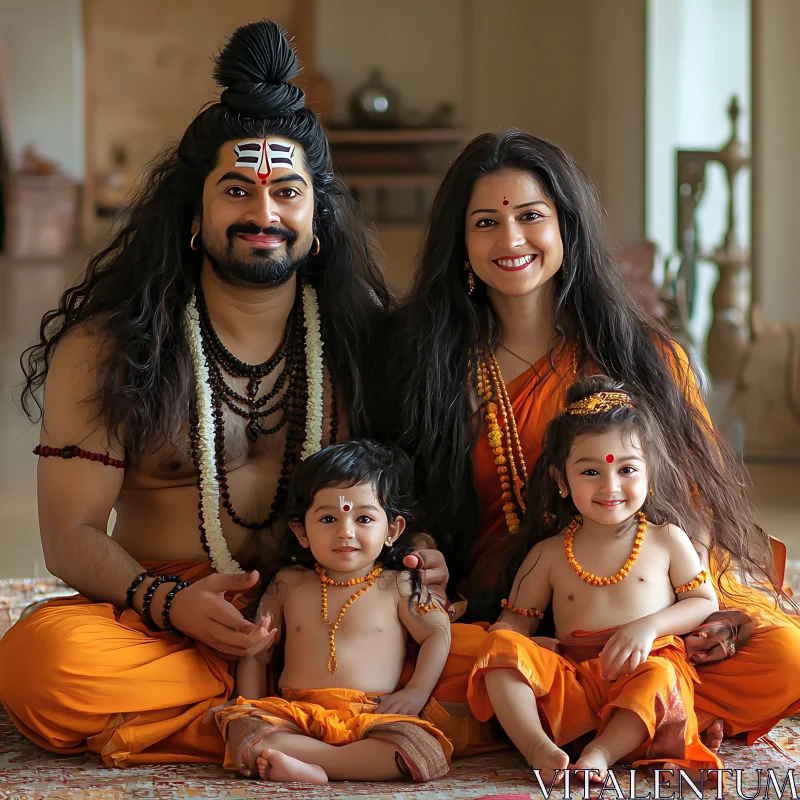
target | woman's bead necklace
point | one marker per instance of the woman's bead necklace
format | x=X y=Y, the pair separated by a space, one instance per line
x=596 y=580
x=509 y=460
x=369 y=579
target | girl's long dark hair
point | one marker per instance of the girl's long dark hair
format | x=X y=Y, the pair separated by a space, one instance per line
x=439 y=324
x=672 y=498
x=135 y=289
x=354 y=463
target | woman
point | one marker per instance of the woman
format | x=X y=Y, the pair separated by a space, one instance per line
x=516 y=295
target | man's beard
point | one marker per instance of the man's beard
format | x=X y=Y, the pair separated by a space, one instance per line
x=262 y=268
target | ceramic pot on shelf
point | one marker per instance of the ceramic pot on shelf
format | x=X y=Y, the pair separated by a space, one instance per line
x=374 y=104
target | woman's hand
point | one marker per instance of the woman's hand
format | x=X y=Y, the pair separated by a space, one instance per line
x=432 y=568
x=202 y=612
x=629 y=646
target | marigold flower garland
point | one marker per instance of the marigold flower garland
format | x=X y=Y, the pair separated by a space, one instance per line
x=221 y=558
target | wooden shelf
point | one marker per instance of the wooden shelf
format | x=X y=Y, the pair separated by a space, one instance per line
x=394 y=135
x=388 y=180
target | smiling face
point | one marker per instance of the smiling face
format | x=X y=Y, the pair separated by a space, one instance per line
x=346 y=528
x=258 y=208
x=606 y=476
x=512 y=234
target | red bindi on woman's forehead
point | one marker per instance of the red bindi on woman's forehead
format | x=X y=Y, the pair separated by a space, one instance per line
x=610 y=458
x=505 y=202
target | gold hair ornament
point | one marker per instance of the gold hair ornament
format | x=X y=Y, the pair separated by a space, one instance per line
x=598 y=402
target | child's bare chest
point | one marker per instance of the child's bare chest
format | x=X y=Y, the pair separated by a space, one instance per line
x=371 y=615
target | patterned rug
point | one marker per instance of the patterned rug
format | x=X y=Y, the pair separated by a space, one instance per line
x=30 y=773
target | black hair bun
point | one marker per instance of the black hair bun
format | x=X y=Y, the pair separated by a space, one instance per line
x=254 y=69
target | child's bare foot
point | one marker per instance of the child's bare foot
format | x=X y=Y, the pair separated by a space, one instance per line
x=549 y=760
x=276 y=766
x=712 y=736
x=594 y=758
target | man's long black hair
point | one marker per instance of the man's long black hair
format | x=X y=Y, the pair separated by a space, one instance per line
x=134 y=290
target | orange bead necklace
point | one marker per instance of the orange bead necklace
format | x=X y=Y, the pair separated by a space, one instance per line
x=596 y=580
x=509 y=459
x=369 y=579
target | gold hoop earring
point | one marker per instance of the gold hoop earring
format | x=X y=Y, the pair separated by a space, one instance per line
x=192 y=241
x=315 y=247
x=470 y=277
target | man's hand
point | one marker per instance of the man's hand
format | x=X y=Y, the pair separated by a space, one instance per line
x=406 y=701
x=626 y=649
x=202 y=612
x=432 y=570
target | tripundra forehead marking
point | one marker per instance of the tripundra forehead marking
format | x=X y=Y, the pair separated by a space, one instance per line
x=264 y=155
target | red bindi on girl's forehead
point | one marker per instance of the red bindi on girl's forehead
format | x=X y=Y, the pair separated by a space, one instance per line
x=610 y=458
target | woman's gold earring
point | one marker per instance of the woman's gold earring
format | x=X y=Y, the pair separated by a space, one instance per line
x=650 y=492
x=564 y=266
x=193 y=240
x=470 y=277
x=315 y=247
x=387 y=542
x=563 y=492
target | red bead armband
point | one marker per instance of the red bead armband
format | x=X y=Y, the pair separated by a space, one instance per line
x=73 y=451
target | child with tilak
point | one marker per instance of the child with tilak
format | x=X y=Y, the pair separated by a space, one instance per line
x=624 y=581
x=344 y=608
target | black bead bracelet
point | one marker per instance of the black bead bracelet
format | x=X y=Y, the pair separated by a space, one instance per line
x=168 y=626
x=148 y=598
x=134 y=586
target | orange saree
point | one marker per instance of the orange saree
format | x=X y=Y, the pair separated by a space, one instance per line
x=730 y=689
x=84 y=677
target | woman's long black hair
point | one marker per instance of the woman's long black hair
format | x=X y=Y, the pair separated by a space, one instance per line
x=136 y=288
x=439 y=325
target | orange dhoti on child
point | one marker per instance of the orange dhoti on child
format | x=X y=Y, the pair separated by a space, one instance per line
x=573 y=699
x=337 y=717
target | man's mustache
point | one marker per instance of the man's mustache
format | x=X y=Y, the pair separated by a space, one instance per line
x=251 y=229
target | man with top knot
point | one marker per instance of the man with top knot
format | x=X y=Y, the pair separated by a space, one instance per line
x=215 y=342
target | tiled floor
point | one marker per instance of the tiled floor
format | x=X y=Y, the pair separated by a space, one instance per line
x=27 y=290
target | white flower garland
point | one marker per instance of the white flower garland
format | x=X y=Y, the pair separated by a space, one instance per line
x=314 y=374
x=221 y=558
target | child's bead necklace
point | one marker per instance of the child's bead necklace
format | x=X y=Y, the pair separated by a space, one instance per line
x=325 y=582
x=596 y=580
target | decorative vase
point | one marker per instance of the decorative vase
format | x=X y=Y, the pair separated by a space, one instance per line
x=374 y=105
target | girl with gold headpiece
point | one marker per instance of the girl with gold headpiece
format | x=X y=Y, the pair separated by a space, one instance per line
x=625 y=583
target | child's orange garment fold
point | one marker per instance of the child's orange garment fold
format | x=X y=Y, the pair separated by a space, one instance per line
x=575 y=700
x=84 y=677
x=338 y=717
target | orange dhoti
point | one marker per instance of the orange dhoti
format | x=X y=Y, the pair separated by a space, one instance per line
x=84 y=677
x=574 y=700
x=338 y=717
